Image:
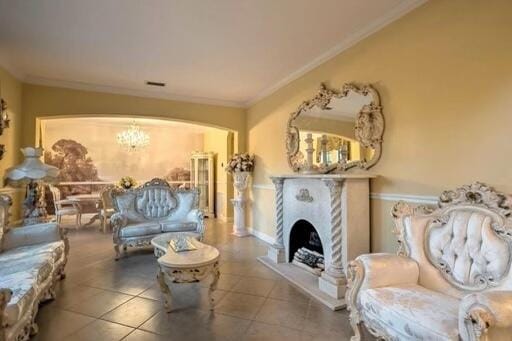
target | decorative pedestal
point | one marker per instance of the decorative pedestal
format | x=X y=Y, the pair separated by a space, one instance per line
x=240 y=181
x=239 y=229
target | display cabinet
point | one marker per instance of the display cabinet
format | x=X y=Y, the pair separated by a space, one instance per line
x=202 y=176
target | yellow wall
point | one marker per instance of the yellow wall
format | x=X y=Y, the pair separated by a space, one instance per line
x=11 y=92
x=220 y=142
x=40 y=101
x=444 y=73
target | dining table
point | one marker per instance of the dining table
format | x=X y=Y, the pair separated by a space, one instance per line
x=87 y=199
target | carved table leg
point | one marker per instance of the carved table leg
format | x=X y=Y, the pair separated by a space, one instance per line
x=213 y=285
x=165 y=290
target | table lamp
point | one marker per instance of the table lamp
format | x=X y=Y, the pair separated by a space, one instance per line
x=33 y=173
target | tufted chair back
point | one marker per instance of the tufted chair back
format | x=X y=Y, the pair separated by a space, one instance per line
x=462 y=246
x=155 y=200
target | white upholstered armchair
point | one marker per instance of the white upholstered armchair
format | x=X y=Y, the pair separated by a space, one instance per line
x=451 y=278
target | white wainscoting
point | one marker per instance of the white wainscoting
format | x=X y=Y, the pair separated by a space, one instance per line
x=416 y=199
x=261 y=235
x=394 y=197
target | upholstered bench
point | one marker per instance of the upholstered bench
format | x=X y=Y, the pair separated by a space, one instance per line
x=151 y=209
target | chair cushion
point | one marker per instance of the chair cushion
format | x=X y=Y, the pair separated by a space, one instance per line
x=23 y=287
x=178 y=226
x=412 y=312
x=143 y=229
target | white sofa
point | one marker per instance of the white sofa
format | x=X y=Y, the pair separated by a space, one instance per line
x=151 y=209
x=32 y=259
x=451 y=278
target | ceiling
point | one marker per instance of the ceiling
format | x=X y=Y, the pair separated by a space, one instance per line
x=230 y=52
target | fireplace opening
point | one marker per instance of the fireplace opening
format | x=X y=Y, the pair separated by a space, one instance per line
x=306 y=249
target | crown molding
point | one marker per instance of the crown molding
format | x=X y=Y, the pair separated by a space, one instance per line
x=397 y=12
x=127 y=91
x=12 y=70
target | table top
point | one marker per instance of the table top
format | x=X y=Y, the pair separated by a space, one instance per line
x=204 y=255
x=84 y=197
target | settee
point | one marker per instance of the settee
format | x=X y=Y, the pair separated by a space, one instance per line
x=144 y=212
x=451 y=279
x=32 y=260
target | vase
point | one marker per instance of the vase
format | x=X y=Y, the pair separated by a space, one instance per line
x=240 y=182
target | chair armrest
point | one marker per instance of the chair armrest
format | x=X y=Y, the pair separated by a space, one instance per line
x=484 y=313
x=5 y=297
x=375 y=271
x=197 y=216
x=31 y=234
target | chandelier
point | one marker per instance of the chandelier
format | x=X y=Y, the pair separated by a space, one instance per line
x=133 y=138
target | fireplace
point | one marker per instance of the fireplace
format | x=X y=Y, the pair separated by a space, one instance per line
x=328 y=215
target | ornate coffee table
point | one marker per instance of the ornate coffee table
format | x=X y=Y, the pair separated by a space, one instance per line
x=185 y=267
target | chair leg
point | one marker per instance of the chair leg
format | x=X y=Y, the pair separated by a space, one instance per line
x=78 y=220
x=116 y=249
x=59 y=219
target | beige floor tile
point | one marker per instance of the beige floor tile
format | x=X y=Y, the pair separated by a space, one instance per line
x=283 y=290
x=266 y=332
x=140 y=335
x=134 y=312
x=174 y=323
x=98 y=286
x=240 y=305
x=100 y=303
x=254 y=286
x=321 y=319
x=101 y=330
x=55 y=324
x=284 y=313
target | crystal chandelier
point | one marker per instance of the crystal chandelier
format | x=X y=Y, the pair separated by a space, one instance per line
x=133 y=138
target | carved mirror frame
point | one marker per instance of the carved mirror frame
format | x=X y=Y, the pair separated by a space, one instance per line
x=369 y=128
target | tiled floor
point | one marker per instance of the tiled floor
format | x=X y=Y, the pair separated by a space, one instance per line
x=102 y=300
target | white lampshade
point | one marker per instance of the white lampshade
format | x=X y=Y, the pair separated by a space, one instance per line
x=31 y=169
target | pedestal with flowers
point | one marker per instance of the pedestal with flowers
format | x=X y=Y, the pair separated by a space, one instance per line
x=240 y=167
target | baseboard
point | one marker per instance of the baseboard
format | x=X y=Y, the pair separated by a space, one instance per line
x=261 y=236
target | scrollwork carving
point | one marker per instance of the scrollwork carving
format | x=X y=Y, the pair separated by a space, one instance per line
x=304 y=195
x=369 y=128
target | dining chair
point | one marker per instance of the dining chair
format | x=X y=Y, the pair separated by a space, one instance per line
x=65 y=207
x=106 y=208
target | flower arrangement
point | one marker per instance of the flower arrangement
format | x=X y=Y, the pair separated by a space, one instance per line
x=240 y=163
x=127 y=182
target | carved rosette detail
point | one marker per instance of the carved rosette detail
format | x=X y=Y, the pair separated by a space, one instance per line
x=336 y=268
x=279 y=183
x=369 y=127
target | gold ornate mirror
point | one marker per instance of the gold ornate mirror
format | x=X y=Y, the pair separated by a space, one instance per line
x=336 y=130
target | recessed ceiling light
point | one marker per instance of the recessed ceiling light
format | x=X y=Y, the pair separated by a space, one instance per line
x=155 y=83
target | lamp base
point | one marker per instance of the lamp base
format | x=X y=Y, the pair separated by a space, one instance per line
x=34 y=206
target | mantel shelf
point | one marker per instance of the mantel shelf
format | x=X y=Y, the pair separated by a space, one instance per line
x=361 y=175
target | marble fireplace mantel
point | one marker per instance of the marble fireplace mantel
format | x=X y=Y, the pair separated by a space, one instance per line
x=337 y=205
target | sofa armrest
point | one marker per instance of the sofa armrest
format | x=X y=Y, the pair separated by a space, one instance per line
x=197 y=216
x=31 y=234
x=117 y=222
x=484 y=314
x=374 y=271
